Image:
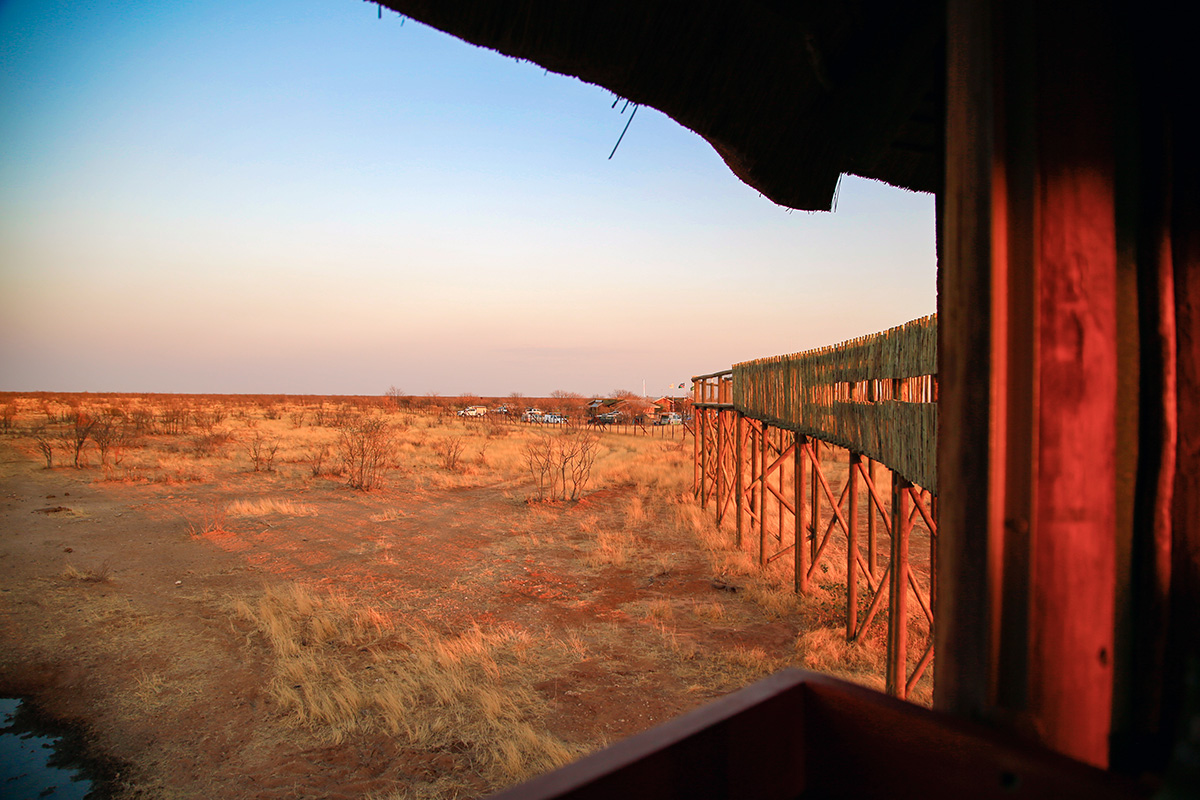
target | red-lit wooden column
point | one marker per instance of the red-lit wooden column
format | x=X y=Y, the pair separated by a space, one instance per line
x=1028 y=373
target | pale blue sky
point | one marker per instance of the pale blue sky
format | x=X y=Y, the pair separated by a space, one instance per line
x=301 y=198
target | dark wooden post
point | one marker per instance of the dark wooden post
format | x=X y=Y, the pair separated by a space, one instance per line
x=1028 y=373
x=897 y=643
x=738 y=475
x=763 y=476
x=852 y=549
x=801 y=521
x=815 y=518
x=872 y=523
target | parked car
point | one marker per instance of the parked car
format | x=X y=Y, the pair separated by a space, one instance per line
x=607 y=418
x=532 y=415
x=669 y=419
x=553 y=419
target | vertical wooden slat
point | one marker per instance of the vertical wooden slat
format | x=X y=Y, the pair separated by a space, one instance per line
x=801 y=520
x=872 y=525
x=738 y=482
x=764 y=454
x=703 y=425
x=897 y=645
x=852 y=549
x=815 y=466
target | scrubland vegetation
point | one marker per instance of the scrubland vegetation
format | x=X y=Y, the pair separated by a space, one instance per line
x=588 y=573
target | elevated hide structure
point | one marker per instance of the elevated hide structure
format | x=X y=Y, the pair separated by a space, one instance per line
x=1060 y=141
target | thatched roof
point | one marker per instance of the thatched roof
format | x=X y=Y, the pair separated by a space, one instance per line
x=791 y=94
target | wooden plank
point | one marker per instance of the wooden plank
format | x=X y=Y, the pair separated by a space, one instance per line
x=852 y=555
x=1072 y=558
x=897 y=643
x=800 y=523
x=763 y=438
x=872 y=522
x=738 y=479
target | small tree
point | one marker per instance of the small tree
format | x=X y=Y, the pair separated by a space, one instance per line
x=109 y=434
x=75 y=436
x=560 y=462
x=45 y=444
x=451 y=450
x=262 y=449
x=366 y=444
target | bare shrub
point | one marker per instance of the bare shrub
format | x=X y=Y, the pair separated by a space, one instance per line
x=100 y=574
x=75 y=436
x=262 y=449
x=212 y=520
x=44 y=439
x=366 y=445
x=173 y=419
x=450 y=451
x=560 y=463
x=209 y=444
x=316 y=457
x=108 y=429
x=7 y=412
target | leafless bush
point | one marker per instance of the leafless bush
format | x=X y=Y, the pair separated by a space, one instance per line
x=111 y=435
x=44 y=439
x=208 y=444
x=296 y=417
x=366 y=445
x=450 y=450
x=142 y=420
x=174 y=419
x=262 y=449
x=560 y=463
x=317 y=456
x=7 y=412
x=75 y=436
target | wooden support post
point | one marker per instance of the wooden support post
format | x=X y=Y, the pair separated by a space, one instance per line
x=801 y=521
x=763 y=477
x=722 y=455
x=1027 y=356
x=738 y=482
x=852 y=550
x=872 y=523
x=702 y=429
x=897 y=643
x=815 y=519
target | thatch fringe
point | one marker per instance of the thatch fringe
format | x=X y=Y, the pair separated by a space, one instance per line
x=875 y=395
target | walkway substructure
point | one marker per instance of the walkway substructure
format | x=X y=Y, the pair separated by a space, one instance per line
x=811 y=459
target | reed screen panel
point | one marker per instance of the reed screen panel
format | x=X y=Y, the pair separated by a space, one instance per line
x=875 y=395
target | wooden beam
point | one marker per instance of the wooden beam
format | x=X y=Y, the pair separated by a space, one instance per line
x=1028 y=373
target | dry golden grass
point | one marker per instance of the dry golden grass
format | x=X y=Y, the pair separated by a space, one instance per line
x=269 y=505
x=468 y=692
x=100 y=574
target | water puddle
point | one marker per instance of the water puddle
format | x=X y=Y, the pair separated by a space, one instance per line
x=40 y=759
